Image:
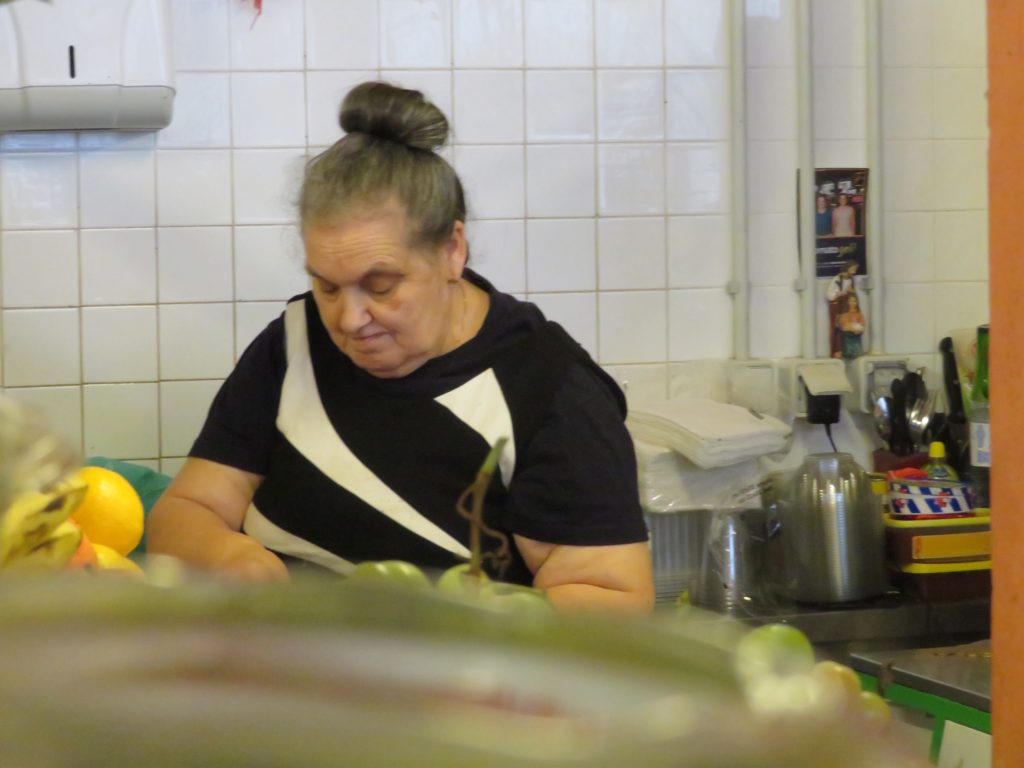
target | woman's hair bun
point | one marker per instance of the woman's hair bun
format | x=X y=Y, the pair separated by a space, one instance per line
x=397 y=114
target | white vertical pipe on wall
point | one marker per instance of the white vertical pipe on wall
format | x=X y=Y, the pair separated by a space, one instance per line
x=739 y=286
x=805 y=158
x=873 y=72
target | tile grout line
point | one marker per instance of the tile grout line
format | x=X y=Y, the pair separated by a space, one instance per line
x=664 y=180
x=81 y=331
x=594 y=124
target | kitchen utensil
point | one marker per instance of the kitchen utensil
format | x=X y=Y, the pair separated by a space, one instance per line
x=883 y=422
x=900 y=443
x=833 y=534
x=936 y=429
x=914 y=386
x=678 y=538
x=731 y=571
x=951 y=382
x=920 y=416
x=956 y=435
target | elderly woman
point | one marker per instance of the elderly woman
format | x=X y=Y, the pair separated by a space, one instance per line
x=353 y=422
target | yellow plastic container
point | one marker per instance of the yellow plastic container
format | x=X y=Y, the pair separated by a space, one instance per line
x=938 y=540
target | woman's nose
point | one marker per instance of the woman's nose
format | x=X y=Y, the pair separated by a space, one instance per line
x=352 y=314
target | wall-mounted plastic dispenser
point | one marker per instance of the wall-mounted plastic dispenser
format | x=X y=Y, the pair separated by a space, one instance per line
x=81 y=64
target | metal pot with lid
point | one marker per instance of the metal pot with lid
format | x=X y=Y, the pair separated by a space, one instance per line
x=832 y=531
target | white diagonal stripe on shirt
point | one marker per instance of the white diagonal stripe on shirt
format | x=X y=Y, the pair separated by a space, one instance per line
x=305 y=424
x=276 y=538
x=481 y=405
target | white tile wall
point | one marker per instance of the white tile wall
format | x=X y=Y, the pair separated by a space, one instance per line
x=935 y=159
x=41 y=346
x=498 y=252
x=592 y=136
x=189 y=251
x=559 y=34
x=488 y=34
x=562 y=255
x=118 y=266
x=119 y=344
x=193 y=186
x=356 y=19
x=560 y=105
x=121 y=421
x=40 y=269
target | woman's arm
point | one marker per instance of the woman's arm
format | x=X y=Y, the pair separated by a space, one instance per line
x=604 y=578
x=199 y=520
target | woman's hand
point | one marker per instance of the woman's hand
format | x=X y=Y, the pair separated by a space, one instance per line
x=199 y=520
x=615 y=578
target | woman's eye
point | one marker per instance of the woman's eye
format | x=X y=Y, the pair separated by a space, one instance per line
x=326 y=288
x=380 y=287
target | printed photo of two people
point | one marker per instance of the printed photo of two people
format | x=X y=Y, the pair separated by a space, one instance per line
x=840 y=207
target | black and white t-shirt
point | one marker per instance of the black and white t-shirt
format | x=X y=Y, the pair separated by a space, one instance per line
x=359 y=468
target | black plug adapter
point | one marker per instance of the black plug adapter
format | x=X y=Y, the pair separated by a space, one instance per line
x=821 y=409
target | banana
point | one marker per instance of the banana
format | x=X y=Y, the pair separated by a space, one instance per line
x=54 y=553
x=34 y=517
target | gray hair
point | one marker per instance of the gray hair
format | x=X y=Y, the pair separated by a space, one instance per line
x=388 y=153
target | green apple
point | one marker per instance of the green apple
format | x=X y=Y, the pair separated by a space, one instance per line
x=393 y=571
x=519 y=600
x=457 y=580
x=774 y=649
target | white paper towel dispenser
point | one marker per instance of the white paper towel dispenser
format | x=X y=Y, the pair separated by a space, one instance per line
x=81 y=64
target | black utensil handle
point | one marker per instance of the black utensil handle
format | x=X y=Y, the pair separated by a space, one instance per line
x=951 y=381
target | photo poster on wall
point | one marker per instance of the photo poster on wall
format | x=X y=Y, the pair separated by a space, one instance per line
x=840 y=208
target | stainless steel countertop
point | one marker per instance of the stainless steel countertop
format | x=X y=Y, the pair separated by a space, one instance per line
x=892 y=620
x=960 y=673
x=891 y=617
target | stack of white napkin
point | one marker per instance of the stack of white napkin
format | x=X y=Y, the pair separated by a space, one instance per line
x=669 y=482
x=708 y=433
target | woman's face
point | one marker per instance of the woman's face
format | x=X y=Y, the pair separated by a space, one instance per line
x=387 y=306
x=822 y=203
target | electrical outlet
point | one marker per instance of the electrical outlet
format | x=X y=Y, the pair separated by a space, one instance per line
x=822 y=375
x=754 y=384
x=872 y=375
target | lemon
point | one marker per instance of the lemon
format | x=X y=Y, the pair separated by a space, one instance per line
x=111 y=513
x=108 y=559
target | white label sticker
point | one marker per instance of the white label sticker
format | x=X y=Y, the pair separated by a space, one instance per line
x=981 y=444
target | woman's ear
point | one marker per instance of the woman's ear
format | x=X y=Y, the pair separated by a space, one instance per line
x=456 y=251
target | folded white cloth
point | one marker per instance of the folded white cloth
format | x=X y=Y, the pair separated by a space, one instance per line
x=708 y=433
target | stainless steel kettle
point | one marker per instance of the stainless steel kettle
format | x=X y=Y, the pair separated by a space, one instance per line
x=832 y=532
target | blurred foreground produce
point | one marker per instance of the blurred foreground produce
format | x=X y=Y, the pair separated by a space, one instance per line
x=52 y=514
x=32 y=457
x=112 y=673
x=90 y=520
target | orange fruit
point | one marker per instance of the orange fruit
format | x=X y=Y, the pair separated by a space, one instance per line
x=85 y=555
x=108 y=559
x=111 y=513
